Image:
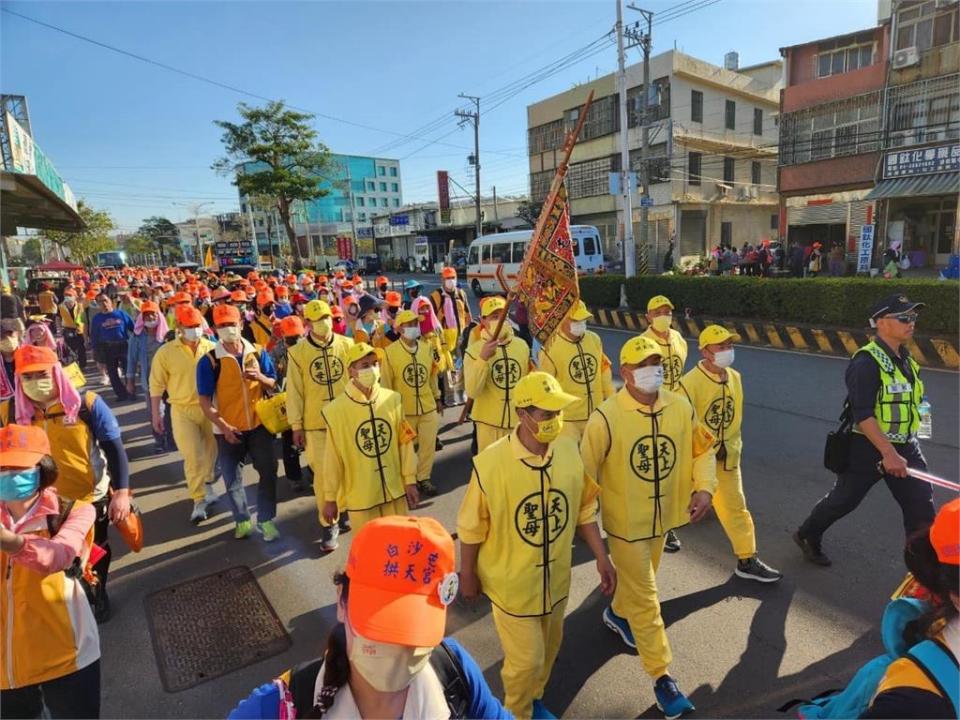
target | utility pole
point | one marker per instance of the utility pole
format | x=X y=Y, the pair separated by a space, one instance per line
x=195 y=209
x=475 y=117
x=645 y=41
x=353 y=211
x=496 y=210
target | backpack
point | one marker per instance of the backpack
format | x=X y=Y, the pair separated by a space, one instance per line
x=930 y=656
x=303 y=680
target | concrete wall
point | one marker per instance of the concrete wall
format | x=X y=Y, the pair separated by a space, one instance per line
x=842 y=173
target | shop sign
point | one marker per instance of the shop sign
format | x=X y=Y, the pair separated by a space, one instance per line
x=865 y=249
x=924 y=161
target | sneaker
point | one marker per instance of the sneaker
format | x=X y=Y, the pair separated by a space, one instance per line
x=268 y=530
x=755 y=569
x=540 y=711
x=620 y=626
x=210 y=495
x=199 y=513
x=328 y=538
x=344 y=522
x=671 y=543
x=670 y=700
x=243 y=529
x=426 y=488
x=812 y=550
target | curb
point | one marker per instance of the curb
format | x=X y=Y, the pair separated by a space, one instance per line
x=838 y=342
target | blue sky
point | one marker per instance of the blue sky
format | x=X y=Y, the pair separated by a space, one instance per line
x=135 y=139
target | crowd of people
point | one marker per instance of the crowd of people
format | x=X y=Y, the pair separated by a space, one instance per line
x=345 y=379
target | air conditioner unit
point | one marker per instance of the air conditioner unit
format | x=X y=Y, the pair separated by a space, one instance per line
x=743 y=192
x=754 y=192
x=905 y=58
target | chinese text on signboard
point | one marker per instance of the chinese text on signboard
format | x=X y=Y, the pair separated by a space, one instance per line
x=865 y=248
x=925 y=161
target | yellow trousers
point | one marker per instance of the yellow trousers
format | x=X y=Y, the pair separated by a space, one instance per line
x=193 y=434
x=359 y=518
x=573 y=429
x=731 y=507
x=426 y=427
x=487 y=435
x=530 y=647
x=315 y=442
x=636 y=600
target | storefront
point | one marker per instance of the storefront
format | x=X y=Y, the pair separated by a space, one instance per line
x=828 y=218
x=918 y=198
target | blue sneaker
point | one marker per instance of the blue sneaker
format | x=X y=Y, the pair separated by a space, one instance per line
x=540 y=711
x=670 y=700
x=620 y=626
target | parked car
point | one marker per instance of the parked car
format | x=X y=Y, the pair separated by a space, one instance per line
x=370 y=264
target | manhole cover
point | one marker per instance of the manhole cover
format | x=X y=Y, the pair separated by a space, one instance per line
x=211 y=626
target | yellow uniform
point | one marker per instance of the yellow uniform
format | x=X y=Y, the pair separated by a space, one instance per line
x=674 y=350
x=719 y=406
x=583 y=370
x=648 y=462
x=490 y=383
x=47 y=300
x=414 y=376
x=72 y=319
x=174 y=371
x=369 y=456
x=519 y=508
x=316 y=375
x=261 y=327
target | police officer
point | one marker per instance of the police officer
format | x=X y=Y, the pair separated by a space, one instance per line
x=884 y=391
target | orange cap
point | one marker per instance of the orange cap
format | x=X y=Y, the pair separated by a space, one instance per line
x=238 y=296
x=393 y=298
x=382 y=280
x=260 y=285
x=323 y=279
x=281 y=291
x=221 y=293
x=336 y=311
x=189 y=316
x=292 y=279
x=945 y=533
x=33 y=358
x=91 y=295
x=225 y=314
x=22 y=446
x=180 y=297
x=291 y=326
x=448 y=272
x=149 y=306
x=350 y=300
x=264 y=297
x=69 y=293
x=402 y=578
x=347 y=285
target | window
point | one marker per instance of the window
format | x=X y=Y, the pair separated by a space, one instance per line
x=519 y=248
x=834 y=61
x=383 y=187
x=371 y=187
x=396 y=202
x=774 y=222
x=590 y=178
x=658 y=104
x=925 y=25
x=755 y=172
x=729 y=169
x=726 y=234
x=393 y=172
x=843 y=127
x=589 y=246
x=361 y=216
x=473 y=258
x=383 y=202
x=845 y=140
x=757 y=121
x=381 y=170
x=730 y=115
x=924 y=111
x=394 y=187
x=693 y=168
x=545 y=137
x=696 y=106
x=602 y=118
x=360 y=201
x=821 y=146
x=500 y=253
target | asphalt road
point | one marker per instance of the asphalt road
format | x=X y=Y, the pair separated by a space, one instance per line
x=740 y=649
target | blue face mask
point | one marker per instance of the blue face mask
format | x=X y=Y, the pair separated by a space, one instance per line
x=18 y=484
x=369 y=326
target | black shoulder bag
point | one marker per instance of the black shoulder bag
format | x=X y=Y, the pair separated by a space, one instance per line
x=836 y=449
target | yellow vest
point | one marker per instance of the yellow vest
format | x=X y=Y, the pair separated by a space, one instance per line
x=365 y=437
x=72 y=319
x=82 y=468
x=413 y=375
x=648 y=461
x=533 y=506
x=262 y=328
x=719 y=406
x=674 y=356
x=316 y=375
x=582 y=370
x=490 y=383
x=236 y=397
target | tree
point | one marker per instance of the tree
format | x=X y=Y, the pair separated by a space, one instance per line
x=31 y=252
x=275 y=152
x=529 y=212
x=83 y=246
x=159 y=236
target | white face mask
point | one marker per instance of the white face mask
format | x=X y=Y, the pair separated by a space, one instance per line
x=151 y=323
x=648 y=379
x=578 y=328
x=450 y=284
x=321 y=328
x=368 y=377
x=724 y=358
x=229 y=334
x=69 y=301
x=411 y=333
x=192 y=334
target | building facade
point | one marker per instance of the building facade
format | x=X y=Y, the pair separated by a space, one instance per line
x=712 y=156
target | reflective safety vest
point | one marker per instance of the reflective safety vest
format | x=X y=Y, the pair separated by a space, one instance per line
x=582 y=369
x=316 y=374
x=534 y=506
x=491 y=382
x=898 y=400
x=674 y=356
x=413 y=375
x=648 y=461
x=719 y=407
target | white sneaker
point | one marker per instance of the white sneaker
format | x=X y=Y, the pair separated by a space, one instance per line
x=210 y=495
x=199 y=513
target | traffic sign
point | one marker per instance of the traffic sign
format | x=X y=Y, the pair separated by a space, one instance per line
x=646 y=202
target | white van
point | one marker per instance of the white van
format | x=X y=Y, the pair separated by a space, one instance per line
x=507 y=249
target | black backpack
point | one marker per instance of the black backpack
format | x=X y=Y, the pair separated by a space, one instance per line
x=303 y=681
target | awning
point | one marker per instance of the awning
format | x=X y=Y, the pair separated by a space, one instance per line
x=922 y=185
x=26 y=202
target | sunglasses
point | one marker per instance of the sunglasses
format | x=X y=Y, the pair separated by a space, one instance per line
x=905 y=318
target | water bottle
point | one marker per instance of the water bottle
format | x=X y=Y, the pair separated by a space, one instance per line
x=926 y=419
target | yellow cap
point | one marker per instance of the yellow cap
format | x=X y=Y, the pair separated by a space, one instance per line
x=491 y=304
x=637 y=349
x=358 y=352
x=580 y=312
x=316 y=309
x=405 y=316
x=713 y=334
x=658 y=301
x=540 y=389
